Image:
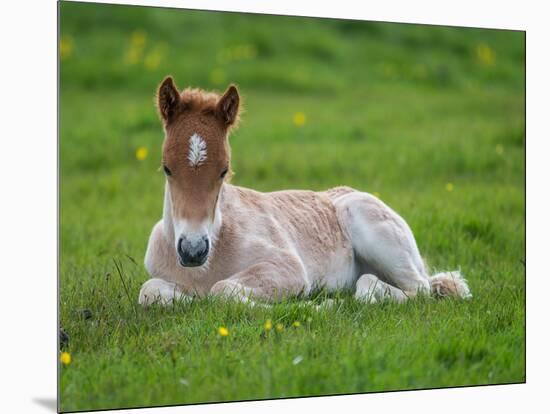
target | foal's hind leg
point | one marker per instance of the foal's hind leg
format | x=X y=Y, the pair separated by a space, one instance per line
x=382 y=240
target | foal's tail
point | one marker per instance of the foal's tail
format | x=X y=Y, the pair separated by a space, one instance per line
x=446 y=284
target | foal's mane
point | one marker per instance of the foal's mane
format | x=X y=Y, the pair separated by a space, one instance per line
x=199 y=100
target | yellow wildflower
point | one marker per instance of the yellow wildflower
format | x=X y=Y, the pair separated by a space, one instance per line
x=235 y=53
x=141 y=153
x=138 y=38
x=223 y=331
x=137 y=44
x=449 y=187
x=296 y=324
x=152 y=60
x=485 y=54
x=241 y=52
x=279 y=327
x=268 y=325
x=65 y=358
x=133 y=56
x=299 y=119
x=65 y=47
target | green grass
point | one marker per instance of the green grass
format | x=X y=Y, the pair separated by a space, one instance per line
x=400 y=110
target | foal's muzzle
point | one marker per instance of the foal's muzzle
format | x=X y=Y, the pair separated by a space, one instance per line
x=192 y=253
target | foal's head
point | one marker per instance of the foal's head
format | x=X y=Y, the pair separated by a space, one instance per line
x=196 y=161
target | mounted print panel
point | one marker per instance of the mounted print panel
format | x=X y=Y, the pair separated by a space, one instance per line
x=260 y=207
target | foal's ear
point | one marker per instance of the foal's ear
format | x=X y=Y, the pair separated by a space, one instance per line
x=168 y=98
x=228 y=106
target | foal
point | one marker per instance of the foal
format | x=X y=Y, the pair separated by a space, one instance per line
x=216 y=238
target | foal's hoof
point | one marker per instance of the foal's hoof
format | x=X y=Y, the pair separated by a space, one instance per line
x=86 y=314
x=63 y=338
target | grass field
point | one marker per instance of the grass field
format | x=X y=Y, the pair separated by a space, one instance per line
x=430 y=119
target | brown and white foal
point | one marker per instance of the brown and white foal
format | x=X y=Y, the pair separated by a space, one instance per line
x=217 y=238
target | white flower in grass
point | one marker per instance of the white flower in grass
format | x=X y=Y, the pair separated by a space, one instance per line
x=297 y=360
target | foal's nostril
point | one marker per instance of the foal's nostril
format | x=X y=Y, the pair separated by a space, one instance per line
x=192 y=253
x=181 y=254
x=207 y=246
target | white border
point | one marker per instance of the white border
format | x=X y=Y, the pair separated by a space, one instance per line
x=28 y=219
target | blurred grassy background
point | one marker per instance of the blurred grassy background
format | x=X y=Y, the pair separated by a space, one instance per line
x=430 y=119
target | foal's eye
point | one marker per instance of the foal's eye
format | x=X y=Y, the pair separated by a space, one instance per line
x=224 y=172
x=166 y=170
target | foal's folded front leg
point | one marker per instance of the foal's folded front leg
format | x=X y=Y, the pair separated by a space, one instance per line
x=160 y=291
x=267 y=281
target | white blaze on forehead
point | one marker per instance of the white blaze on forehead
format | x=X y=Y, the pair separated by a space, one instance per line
x=197 y=150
